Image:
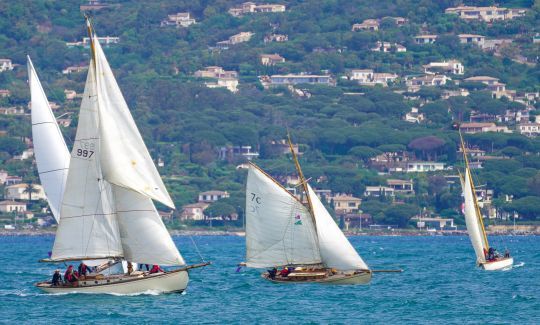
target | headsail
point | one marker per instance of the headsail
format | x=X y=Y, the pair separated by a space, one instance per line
x=50 y=150
x=124 y=157
x=336 y=250
x=279 y=228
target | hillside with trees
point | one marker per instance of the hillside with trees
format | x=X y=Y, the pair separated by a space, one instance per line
x=344 y=128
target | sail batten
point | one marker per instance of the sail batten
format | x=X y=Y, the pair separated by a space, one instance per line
x=50 y=150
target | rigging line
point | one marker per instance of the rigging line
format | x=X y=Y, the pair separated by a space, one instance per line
x=197 y=249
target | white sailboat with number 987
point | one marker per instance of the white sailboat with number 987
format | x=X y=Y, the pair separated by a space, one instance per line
x=106 y=211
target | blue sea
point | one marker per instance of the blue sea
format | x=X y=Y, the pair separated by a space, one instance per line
x=439 y=284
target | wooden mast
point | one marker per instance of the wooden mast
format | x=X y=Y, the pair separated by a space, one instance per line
x=302 y=180
x=477 y=209
x=91 y=36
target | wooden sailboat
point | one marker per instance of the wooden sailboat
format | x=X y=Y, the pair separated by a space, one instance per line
x=281 y=231
x=475 y=225
x=106 y=211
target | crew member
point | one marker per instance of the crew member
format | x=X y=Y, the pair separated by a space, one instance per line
x=156 y=269
x=57 y=278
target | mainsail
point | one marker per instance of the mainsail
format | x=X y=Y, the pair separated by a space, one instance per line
x=474 y=228
x=50 y=150
x=107 y=210
x=279 y=228
x=336 y=250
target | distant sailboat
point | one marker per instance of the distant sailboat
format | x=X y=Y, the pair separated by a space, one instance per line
x=107 y=210
x=475 y=226
x=50 y=150
x=281 y=231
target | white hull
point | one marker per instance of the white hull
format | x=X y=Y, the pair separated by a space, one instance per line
x=497 y=265
x=174 y=281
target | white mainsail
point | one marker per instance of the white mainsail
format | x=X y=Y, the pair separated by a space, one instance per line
x=279 y=228
x=111 y=183
x=50 y=150
x=474 y=228
x=88 y=226
x=336 y=250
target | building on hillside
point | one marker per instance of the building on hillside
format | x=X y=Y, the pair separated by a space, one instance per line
x=472 y=128
x=401 y=186
x=399 y=21
x=6 y=65
x=231 y=153
x=436 y=223
x=295 y=79
x=387 y=47
x=452 y=66
x=282 y=147
x=367 y=77
x=180 y=19
x=276 y=38
x=271 y=59
x=3 y=176
x=414 y=116
x=425 y=39
x=74 y=69
x=235 y=39
x=5 y=93
x=194 y=211
x=213 y=196
x=368 y=24
x=423 y=166
x=224 y=79
x=487 y=14
x=472 y=39
x=428 y=81
x=12 y=206
x=250 y=7
x=357 y=220
x=70 y=94
x=345 y=203
x=26 y=154
x=379 y=191
x=12 y=180
x=93 y=5
x=19 y=192
x=496 y=44
x=529 y=129
x=105 y=41
x=14 y=110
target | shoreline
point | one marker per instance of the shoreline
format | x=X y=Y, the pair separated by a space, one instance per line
x=241 y=233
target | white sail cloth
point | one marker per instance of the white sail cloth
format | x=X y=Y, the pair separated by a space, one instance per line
x=336 y=250
x=124 y=157
x=107 y=209
x=88 y=226
x=279 y=229
x=50 y=150
x=472 y=219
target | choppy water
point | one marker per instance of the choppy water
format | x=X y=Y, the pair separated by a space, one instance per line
x=440 y=284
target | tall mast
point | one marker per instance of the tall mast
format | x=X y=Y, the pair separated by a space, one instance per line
x=476 y=207
x=91 y=36
x=302 y=180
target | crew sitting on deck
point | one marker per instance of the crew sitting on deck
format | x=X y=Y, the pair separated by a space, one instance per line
x=129 y=268
x=492 y=254
x=506 y=253
x=272 y=273
x=83 y=269
x=70 y=276
x=284 y=273
x=57 y=278
x=156 y=269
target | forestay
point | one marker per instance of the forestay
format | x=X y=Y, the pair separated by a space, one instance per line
x=336 y=250
x=472 y=219
x=50 y=150
x=125 y=158
x=279 y=228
